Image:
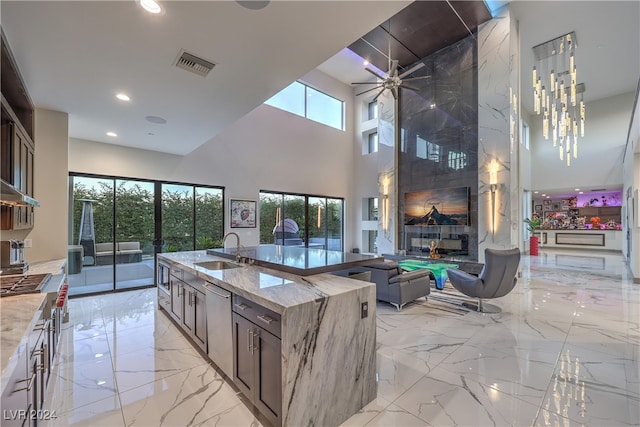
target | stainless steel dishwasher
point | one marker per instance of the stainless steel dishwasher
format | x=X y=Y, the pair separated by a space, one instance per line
x=219 y=327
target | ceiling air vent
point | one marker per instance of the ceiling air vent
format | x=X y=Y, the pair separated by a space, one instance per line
x=196 y=65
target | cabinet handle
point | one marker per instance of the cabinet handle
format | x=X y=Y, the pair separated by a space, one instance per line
x=29 y=384
x=256 y=334
x=219 y=294
x=250 y=341
x=266 y=319
x=242 y=306
x=179 y=289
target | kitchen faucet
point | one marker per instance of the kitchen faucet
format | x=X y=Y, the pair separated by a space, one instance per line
x=231 y=233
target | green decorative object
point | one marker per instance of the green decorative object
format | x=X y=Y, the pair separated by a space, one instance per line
x=439 y=269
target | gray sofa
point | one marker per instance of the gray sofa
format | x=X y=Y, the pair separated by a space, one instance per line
x=126 y=252
x=392 y=285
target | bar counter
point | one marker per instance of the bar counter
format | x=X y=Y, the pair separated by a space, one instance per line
x=596 y=239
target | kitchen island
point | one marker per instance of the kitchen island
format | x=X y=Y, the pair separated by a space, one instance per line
x=321 y=328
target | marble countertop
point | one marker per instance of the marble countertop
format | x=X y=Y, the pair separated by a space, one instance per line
x=17 y=321
x=273 y=289
x=296 y=259
x=18 y=315
x=53 y=266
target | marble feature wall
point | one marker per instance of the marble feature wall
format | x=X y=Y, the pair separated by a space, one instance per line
x=386 y=242
x=439 y=134
x=498 y=141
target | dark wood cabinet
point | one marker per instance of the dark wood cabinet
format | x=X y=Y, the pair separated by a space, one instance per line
x=257 y=358
x=17 y=145
x=177 y=299
x=188 y=306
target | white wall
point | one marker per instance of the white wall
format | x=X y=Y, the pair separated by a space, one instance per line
x=600 y=152
x=268 y=149
x=630 y=194
x=49 y=234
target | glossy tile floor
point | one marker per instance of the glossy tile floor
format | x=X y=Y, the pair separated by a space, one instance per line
x=565 y=351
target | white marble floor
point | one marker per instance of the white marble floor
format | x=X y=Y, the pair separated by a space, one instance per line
x=565 y=351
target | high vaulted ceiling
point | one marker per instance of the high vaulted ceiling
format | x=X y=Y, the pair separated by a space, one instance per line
x=75 y=55
x=419 y=30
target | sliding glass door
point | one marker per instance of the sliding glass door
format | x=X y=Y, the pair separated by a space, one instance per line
x=118 y=225
x=134 y=233
x=91 y=235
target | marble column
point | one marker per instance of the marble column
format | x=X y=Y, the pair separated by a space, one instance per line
x=498 y=141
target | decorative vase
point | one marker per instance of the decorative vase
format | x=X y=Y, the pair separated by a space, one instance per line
x=533 y=246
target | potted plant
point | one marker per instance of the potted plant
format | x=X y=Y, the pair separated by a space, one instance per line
x=533 y=224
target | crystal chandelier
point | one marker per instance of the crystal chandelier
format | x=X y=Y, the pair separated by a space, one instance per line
x=555 y=94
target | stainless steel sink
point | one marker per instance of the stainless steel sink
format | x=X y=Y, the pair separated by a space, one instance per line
x=216 y=265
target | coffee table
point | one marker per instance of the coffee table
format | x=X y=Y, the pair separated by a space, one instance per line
x=439 y=269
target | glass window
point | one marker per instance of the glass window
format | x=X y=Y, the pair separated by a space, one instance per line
x=177 y=217
x=305 y=101
x=373 y=110
x=209 y=218
x=324 y=109
x=301 y=220
x=525 y=135
x=290 y=99
x=373 y=142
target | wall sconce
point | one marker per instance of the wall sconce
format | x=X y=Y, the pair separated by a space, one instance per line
x=385 y=204
x=319 y=216
x=493 y=186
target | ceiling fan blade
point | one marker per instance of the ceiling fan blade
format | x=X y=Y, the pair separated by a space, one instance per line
x=394 y=92
x=365 y=83
x=412 y=69
x=410 y=79
x=404 y=86
x=379 y=93
x=374 y=73
x=394 y=68
x=368 y=90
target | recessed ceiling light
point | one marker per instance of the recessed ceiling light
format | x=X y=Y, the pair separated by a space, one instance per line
x=365 y=63
x=577 y=189
x=112 y=134
x=151 y=6
x=582 y=192
x=254 y=4
x=123 y=97
x=535 y=192
x=155 y=119
x=543 y=195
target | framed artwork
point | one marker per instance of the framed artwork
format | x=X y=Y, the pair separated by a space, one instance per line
x=538 y=208
x=243 y=213
x=546 y=202
x=565 y=204
x=547 y=207
x=556 y=206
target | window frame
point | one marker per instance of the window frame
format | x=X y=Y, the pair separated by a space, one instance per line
x=306 y=106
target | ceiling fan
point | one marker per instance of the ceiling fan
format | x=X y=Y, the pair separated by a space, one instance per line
x=392 y=80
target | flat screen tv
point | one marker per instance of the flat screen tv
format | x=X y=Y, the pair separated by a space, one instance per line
x=438 y=206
